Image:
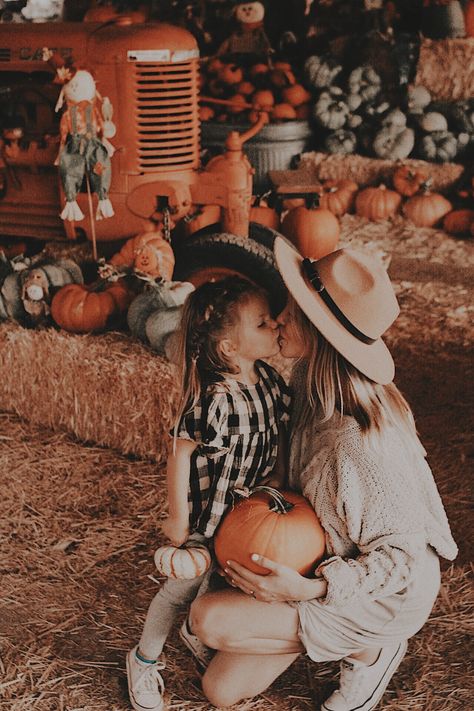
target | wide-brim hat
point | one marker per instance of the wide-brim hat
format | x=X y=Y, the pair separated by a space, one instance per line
x=348 y=297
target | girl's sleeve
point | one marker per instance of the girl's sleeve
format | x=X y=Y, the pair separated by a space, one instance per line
x=383 y=518
x=207 y=423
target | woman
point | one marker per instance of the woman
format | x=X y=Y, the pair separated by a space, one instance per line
x=355 y=455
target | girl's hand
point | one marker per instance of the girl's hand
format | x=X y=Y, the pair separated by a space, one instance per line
x=176 y=529
x=283 y=584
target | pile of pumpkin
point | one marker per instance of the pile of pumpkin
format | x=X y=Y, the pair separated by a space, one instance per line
x=236 y=92
x=354 y=114
x=135 y=287
x=312 y=223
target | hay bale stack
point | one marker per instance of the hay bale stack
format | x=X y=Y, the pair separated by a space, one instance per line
x=446 y=68
x=104 y=389
x=369 y=171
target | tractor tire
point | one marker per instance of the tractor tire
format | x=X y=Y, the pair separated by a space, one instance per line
x=221 y=253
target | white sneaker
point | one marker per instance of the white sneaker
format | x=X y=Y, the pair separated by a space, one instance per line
x=145 y=685
x=200 y=652
x=360 y=686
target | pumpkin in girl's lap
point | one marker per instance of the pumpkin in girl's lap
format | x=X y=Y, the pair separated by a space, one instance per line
x=281 y=526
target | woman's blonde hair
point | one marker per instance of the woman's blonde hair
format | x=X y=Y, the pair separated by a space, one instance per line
x=335 y=387
x=209 y=314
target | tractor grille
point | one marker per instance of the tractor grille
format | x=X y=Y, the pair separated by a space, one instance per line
x=167 y=108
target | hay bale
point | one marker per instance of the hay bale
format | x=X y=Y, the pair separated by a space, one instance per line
x=104 y=389
x=446 y=68
x=369 y=171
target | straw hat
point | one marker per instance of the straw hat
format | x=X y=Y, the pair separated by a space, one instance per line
x=349 y=299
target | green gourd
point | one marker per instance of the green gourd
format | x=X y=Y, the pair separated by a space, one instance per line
x=321 y=71
x=341 y=141
x=331 y=110
x=156 y=313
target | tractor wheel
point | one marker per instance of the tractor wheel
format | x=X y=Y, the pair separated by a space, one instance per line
x=207 y=257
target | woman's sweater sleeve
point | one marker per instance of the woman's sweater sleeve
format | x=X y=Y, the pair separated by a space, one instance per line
x=378 y=501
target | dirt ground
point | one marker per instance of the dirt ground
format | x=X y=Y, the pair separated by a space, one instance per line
x=78 y=526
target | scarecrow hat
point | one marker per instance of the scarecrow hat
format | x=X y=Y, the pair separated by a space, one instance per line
x=348 y=297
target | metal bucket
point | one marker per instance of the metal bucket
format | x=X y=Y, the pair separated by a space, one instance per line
x=273 y=148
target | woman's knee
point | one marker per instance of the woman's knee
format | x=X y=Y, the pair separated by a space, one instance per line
x=220 y=692
x=206 y=621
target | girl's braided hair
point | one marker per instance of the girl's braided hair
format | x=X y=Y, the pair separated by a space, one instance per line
x=209 y=313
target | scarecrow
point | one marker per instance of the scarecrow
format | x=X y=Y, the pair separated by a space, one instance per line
x=84 y=149
x=250 y=36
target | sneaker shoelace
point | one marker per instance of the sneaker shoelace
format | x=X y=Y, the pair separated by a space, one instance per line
x=150 y=678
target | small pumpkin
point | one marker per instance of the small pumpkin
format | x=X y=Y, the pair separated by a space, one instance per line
x=281 y=526
x=365 y=82
x=338 y=196
x=283 y=112
x=295 y=95
x=81 y=308
x=458 y=222
x=148 y=253
x=377 y=203
x=321 y=71
x=331 y=110
x=230 y=74
x=315 y=231
x=407 y=180
x=341 y=141
x=262 y=213
x=206 y=113
x=184 y=563
x=426 y=209
x=439 y=146
x=263 y=99
x=392 y=143
x=433 y=121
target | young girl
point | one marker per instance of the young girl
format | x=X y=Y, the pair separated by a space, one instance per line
x=229 y=428
x=355 y=455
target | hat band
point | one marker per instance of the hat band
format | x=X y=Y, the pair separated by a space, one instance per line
x=313 y=276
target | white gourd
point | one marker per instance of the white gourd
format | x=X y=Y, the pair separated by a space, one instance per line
x=182 y=563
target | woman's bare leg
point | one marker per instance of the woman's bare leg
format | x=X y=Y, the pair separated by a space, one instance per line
x=256 y=640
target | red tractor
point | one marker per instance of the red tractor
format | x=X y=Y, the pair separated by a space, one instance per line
x=150 y=75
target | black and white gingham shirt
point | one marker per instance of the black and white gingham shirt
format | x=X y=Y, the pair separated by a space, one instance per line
x=236 y=428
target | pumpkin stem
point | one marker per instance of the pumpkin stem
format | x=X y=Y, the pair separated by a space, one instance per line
x=278 y=503
x=312 y=201
x=426 y=186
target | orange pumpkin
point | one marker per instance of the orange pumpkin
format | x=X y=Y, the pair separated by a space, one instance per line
x=314 y=231
x=302 y=112
x=82 y=309
x=338 y=196
x=258 y=70
x=206 y=113
x=281 y=526
x=239 y=104
x=231 y=74
x=263 y=99
x=281 y=78
x=459 y=222
x=246 y=88
x=283 y=112
x=148 y=253
x=427 y=209
x=295 y=95
x=262 y=213
x=182 y=563
x=377 y=203
x=408 y=181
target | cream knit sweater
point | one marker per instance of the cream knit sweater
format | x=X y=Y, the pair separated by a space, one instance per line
x=378 y=506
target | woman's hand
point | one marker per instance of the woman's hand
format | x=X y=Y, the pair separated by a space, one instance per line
x=283 y=584
x=176 y=529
